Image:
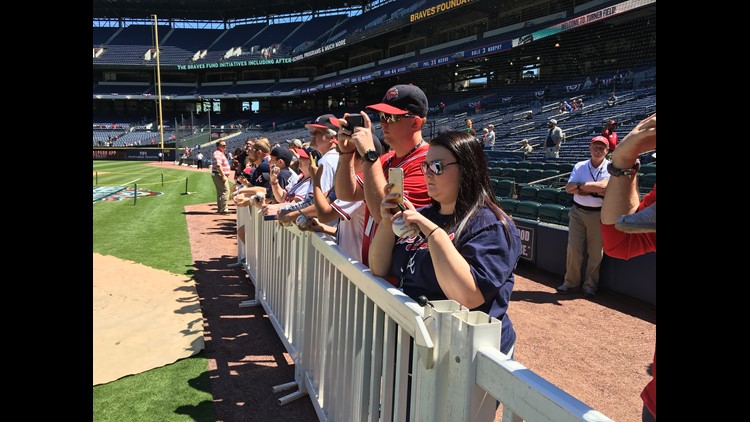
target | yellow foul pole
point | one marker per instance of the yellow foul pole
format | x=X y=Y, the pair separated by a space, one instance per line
x=158 y=82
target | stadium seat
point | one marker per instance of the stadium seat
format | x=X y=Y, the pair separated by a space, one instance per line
x=564 y=217
x=508 y=205
x=523 y=165
x=535 y=174
x=496 y=172
x=549 y=173
x=648 y=168
x=522 y=175
x=646 y=182
x=565 y=199
x=510 y=164
x=551 y=213
x=527 y=209
x=538 y=165
x=504 y=188
x=508 y=172
x=547 y=195
x=528 y=193
x=565 y=167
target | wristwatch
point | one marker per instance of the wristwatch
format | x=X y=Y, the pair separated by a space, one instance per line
x=371 y=156
x=630 y=172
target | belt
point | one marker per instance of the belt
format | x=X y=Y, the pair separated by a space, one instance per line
x=583 y=207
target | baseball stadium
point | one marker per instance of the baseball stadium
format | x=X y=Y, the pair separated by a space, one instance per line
x=374 y=210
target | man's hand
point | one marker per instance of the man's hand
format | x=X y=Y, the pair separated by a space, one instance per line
x=344 y=137
x=362 y=136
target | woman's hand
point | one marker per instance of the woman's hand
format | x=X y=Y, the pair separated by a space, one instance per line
x=389 y=205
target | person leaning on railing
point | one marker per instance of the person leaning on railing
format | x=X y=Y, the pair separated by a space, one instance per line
x=466 y=247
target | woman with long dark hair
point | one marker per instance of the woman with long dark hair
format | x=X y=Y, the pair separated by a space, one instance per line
x=467 y=246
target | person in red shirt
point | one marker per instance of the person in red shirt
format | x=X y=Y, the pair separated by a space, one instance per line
x=622 y=199
x=402 y=113
x=608 y=131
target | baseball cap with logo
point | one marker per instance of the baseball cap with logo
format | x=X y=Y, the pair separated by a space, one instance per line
x=403 y=99
x=326 y=121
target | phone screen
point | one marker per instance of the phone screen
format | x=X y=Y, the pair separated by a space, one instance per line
x=396 y=176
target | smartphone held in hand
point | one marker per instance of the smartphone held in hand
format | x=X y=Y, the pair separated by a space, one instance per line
x=396 y=177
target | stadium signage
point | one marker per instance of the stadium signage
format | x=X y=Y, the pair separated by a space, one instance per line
x=583 y=20
x=394 y=71
x=236 y=63
x=527 y=241
x=436 y=62
x=488 y=49
x=439 y=8
x=323 y=49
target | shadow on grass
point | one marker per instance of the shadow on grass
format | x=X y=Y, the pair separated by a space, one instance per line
x=203 y=411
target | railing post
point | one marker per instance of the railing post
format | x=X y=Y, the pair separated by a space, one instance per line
x=470 y=332
x=431 y=384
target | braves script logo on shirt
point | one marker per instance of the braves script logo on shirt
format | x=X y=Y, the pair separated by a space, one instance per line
x=391 y=94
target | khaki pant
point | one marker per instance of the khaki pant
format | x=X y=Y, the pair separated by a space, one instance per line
x=584 y=231
x=222 y=192
x=553 y=152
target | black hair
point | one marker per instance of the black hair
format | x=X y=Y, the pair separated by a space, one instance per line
x=474 y=188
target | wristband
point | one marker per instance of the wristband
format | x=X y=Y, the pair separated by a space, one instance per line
x=433 y=231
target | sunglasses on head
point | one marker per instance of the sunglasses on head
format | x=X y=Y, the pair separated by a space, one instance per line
x=392 y=118
x=436 y=167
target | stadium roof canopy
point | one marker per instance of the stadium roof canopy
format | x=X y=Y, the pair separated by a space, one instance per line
x=213 y=9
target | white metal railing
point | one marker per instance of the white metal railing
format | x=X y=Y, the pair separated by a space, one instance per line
x=363 y=350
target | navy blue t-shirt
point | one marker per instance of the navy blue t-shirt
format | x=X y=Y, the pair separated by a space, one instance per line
x=261 y=177
x=486 y=248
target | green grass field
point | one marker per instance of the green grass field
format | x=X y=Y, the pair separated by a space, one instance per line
x=152 y=231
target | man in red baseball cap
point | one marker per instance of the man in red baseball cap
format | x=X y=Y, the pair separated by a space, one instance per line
x=588 y=184
x=402 y=113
